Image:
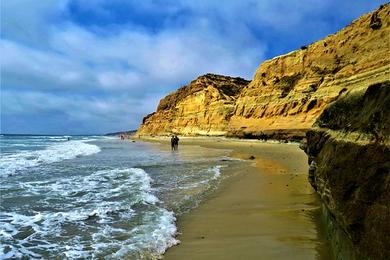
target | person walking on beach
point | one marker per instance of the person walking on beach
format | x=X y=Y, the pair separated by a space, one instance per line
x=176 y=142
x=173 y=141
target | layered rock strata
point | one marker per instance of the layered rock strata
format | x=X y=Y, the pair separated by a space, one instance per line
x=349 y=157
x=291 y=91
x=203 y=107
x=288 y=92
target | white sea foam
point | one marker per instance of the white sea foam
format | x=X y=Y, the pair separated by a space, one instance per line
x=13 y=163
x=93 y=204
x=155 y=239
x=217 y=171
x=100 y=209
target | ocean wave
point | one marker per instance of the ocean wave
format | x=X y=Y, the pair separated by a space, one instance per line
x=90 y=205
x=153 y=241
x=217 y=171
x=13 y=163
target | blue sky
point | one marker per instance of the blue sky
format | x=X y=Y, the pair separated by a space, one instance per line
x=87 y=67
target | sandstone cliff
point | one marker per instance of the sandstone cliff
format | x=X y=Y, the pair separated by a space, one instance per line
x=291 y=91
x=204 y=107
x=349 y=157
x=342 y=83
x=287 y=93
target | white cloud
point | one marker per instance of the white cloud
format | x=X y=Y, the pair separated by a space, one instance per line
x=22 y=66
x=128 y=60
x=52 y=65
x=98 y=113
x=28 y=20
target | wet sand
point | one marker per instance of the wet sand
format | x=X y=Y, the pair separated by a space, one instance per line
x=266 y=210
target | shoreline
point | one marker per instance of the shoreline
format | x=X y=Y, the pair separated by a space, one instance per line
x=265 y=209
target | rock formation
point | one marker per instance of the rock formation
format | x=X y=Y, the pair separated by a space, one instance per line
x=342 y=83
x=204 y=107
x=291 y=91
x=349 y=157
x=287 y=93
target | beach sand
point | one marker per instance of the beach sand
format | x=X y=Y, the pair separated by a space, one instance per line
x=265 y=210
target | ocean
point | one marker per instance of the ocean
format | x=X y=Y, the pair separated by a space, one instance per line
x=98 y=197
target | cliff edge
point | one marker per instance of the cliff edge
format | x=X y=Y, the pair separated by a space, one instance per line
x=349 y=157
x=291 y=91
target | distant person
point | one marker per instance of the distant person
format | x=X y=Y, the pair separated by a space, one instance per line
x=173 y=140
x=68 y=138
x=176 y=139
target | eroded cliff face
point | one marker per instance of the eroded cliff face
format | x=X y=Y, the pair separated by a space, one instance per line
x=291 y=91
x=287 y=94
x=349 y=157
x=204 y=107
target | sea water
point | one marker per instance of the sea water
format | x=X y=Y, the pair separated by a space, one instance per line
x=98 y=197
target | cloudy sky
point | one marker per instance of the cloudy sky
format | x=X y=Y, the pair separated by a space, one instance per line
x=87 y=67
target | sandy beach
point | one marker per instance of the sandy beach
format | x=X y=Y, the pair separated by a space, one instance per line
x=265 y=210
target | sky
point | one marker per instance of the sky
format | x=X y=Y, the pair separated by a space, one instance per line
x=93 y=67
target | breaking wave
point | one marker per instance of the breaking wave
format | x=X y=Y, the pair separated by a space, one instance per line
x=22 y=160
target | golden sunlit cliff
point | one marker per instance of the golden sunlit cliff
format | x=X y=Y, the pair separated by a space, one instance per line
x=287 y=93
x=204 y=107
x=341 y=84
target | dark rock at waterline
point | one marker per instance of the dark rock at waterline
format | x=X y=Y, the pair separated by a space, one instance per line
x=349 y=157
